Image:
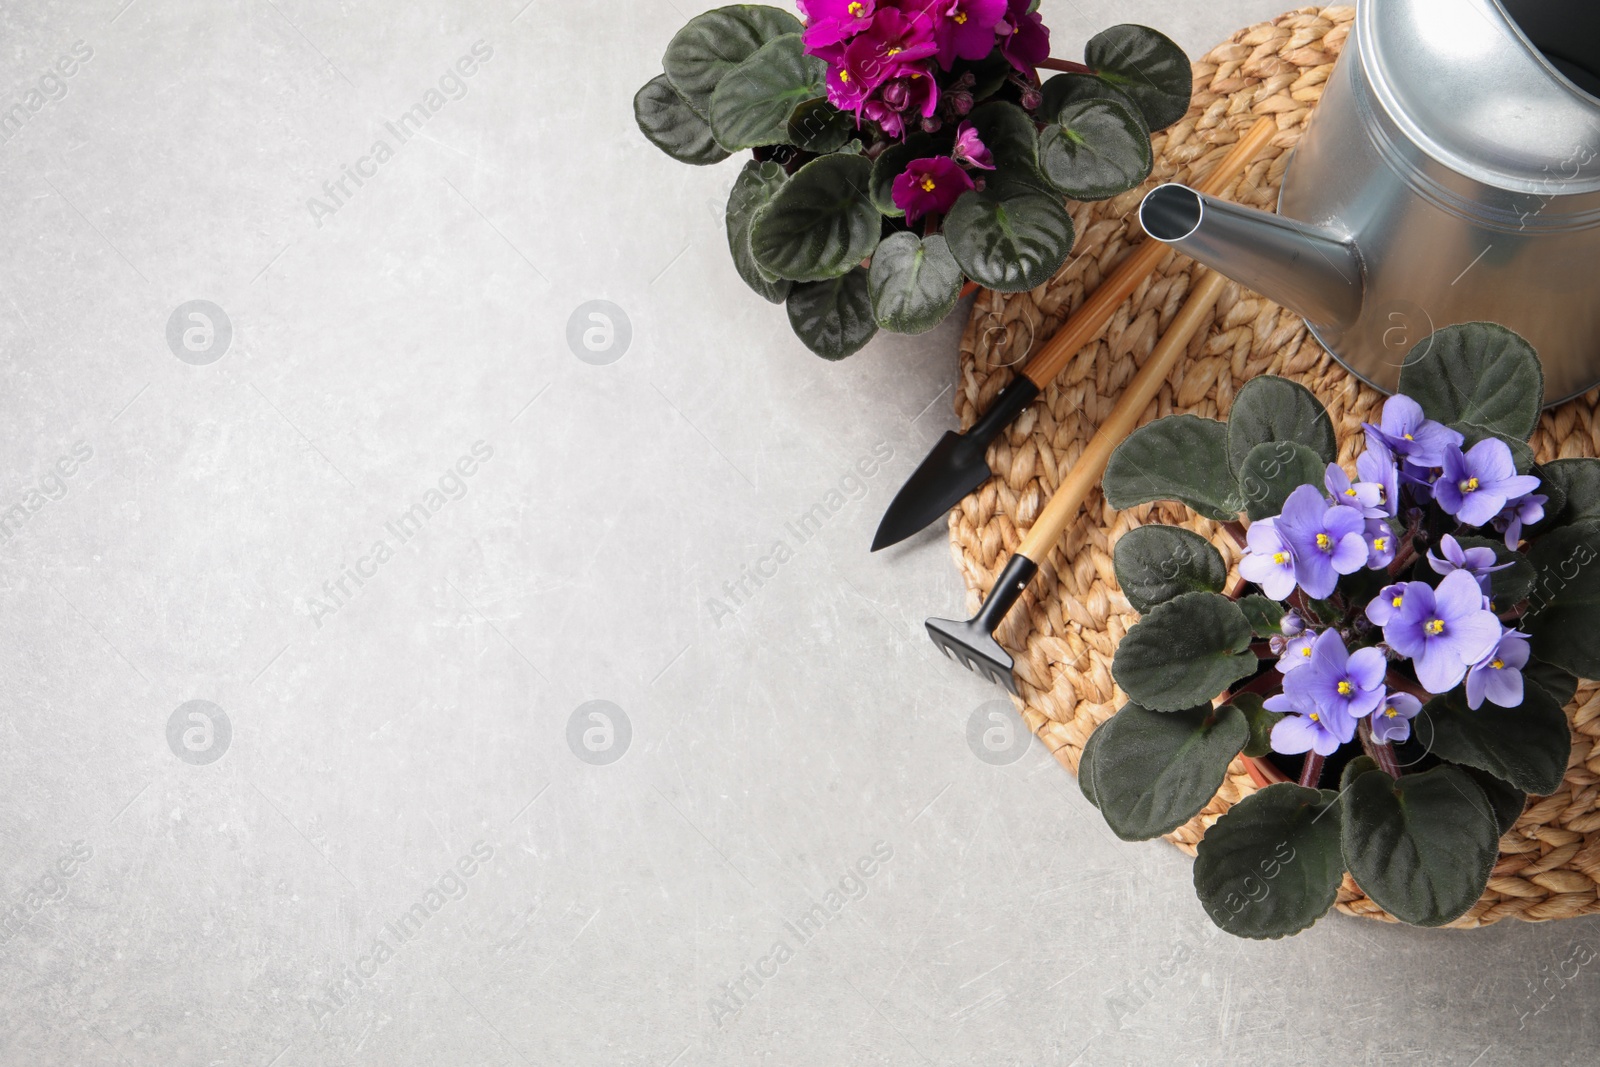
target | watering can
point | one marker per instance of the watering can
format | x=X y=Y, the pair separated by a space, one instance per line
x=1450 y=173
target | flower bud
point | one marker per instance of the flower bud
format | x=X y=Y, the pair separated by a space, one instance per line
x=961 y=102
x=931 y=124
x=1292 y=625
x=896 y=95
x=1031 y=98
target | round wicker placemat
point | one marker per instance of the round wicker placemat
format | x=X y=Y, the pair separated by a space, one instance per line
x=1072 y=617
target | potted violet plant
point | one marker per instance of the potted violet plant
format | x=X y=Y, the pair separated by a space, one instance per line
x=902 y=148
x=1395 y=654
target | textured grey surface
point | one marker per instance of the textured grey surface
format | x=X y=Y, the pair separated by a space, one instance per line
x=405 y=740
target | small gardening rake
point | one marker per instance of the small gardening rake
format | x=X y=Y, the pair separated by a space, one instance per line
x=972 y=642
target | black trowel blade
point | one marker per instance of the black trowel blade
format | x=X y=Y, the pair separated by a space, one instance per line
x=956 y=466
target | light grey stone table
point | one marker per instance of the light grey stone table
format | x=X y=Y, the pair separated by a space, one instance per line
x=368 y=506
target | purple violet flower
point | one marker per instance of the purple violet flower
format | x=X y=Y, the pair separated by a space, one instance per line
x=1380 y=543
x=970 y=150
x=1524 y=510
x=1365 y=497
x=1344 y=685
x=1325 y=541
x=929 y=185
x=1477 y=483
x=1268 y=560
x=1411 y=435
x=1386 y=605
x=1443 y=631
x=967 y=30
x=1498 y=676
x=1025 y=41
x=1296 y=652
x=1377 y=466
x=1478 y=562
x=1391 y=723
x=1306 y=728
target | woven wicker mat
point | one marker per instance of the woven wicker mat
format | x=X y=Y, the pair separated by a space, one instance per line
x=1074 y=613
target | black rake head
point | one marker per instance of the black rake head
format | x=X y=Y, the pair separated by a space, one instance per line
x=972 y=642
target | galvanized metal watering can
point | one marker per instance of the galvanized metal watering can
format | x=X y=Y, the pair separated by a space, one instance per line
x=1451 y=173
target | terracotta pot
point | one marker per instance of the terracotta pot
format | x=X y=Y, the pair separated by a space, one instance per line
x=1262 y=772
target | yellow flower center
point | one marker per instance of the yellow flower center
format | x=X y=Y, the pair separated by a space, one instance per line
x=961 y=18
x=1345 y=689
x=856 y=8
x=1409 y=437
x=1280 y=557
x=1497 y=663
x=844 y=75
x=894 y=50
x=1305 y=650
x=1435 y=626
x=928 y=185
x=1390 y=712
x=1397 y=599
x=1380 y=543
x=1350 y=491
x=1468 y=485
x=1324 y=542
x=1315 y=717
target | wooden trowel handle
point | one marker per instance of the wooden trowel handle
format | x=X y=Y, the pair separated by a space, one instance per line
x=1087 y=322
x=1085 y=473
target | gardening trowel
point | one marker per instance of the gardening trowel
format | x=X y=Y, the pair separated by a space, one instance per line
x=959 y=463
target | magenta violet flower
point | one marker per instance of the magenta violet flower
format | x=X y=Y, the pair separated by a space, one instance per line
x=1443 y=631
x=1524 y=510
x=1498 y=676
x=929 y=185
x=1026 y=41
x=846 y=91
x=970 y=149
x=1478 y=562
x=1296 y=651
x=1306 y=728
x=1391 y=723
x=1410 y=434
x=893 y=41
x=1324 y=540
x=1376 y=466
x=966 y=30
x=1268 y=560
x=1386 y=605
x=1477 y=483
x=1344 y=685
x=829 y=22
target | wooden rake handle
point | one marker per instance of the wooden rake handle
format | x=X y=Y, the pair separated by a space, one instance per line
x=1087 y=322
x=1085 y=473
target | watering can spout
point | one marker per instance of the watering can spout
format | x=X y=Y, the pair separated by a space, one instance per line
x=1311 y=271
